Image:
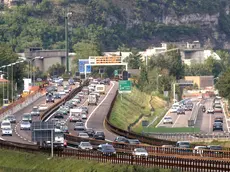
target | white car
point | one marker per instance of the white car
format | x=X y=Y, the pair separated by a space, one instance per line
x=199 y=149
x=5 y=124
x=83 y=116
x=25 y=125
x=140 y=152
x=7 y=131
x=173 y=110
x=85 y=146
x=168 y=120
x=42 y=107
x=62 y=92
x=210 y=110
x=83 y=135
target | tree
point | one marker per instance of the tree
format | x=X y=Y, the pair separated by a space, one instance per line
x=143 y=80
x=197 y=69
x=225 y=58
x=134 y=60
x=214 y=66
x=56 y=69
x=223 y=84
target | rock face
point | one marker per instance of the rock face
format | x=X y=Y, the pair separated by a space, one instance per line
x=191 y=19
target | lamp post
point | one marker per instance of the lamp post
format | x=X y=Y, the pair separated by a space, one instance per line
x=158 y=82
x=67 y=14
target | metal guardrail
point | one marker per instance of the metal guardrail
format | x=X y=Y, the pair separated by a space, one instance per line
x=56 y=105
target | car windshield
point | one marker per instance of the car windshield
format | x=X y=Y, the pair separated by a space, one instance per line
x=185 y=143
x=168 y=118
x=108 y=147
x=140 y=150
x=35 y=109
x=10 y=117
x=25 y=123
x=7 y=129
x=100 y=133
x=83 y=134
x=5 y=124
x=79 y=124
x=134 y=141
x=85 y=144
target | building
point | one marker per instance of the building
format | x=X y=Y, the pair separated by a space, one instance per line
x=201 y=81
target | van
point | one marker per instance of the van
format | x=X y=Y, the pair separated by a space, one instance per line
x=100 y=88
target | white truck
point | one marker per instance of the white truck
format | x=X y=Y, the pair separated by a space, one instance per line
x=92 y=100
x=100 y=88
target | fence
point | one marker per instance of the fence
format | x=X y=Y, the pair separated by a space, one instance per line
x=171 y=162
x=20 y=104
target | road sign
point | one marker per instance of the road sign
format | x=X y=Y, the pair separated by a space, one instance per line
x=41 y=131
x=125 y=86
x=115 y=72
x=81 y=66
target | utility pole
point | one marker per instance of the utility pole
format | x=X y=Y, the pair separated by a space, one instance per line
x=66 y=41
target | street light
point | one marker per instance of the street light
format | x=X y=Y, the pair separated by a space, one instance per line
x=158 y=82
x=67 y=15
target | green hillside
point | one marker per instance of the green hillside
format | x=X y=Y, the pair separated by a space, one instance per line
x=113 y=24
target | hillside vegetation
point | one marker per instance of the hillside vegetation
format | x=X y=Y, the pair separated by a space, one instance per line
x=115 y=23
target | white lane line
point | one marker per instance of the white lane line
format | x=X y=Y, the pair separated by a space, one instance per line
x=225 y=116
x=86 y=122
x=161 y=121
x=2 y=139
x=178 y=116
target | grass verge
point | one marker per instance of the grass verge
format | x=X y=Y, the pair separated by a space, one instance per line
x=24 y=162
x=172 y=130
x=225 y=144
x=128 y=108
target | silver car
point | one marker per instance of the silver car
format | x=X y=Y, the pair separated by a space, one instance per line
x=25 y=125
x=79 y=126
x=85 y=146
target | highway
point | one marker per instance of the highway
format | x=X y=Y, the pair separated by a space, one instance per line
x=24 y=136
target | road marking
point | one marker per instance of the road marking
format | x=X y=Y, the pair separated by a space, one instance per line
x=178 y=116
x=168 y=112
x=1 y=138
x=86 y=122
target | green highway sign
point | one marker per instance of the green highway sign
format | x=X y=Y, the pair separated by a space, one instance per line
x=125 y=86
x=115 y=72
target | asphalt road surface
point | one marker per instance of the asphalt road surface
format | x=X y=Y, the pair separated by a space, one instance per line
x=24 y=136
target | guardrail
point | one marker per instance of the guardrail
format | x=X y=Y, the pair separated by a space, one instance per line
x=197 y=111
x=56 y=105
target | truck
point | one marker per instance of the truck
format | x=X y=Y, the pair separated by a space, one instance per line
x=100 y=88
x=92 y=100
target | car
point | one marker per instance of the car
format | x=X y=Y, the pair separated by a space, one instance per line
x=57 y=96
x=168 y=120
x=7 y=131
x=85 y=109
x=173 y=110
x=79 y=126
x=99 y=135
x=49 y=98
x=60 y=83
x=218 y=110
x=218 y=126
x=140 y=152
x=215 y=147
x=42 y=107
x=58 y=114
x=54 y=88
x=75 y=118
x=25 y=125
x=183 y=144
x=90 y=132
x=71 y=81
x=5 y=124
x=121 y=139
x=219 y=119
x=133 y=141
x=76 y=100
x=67 y=89
x=106 y=149
x=60 y=79
x=10 y=118
x=199 y=149
x=62 y=92
x=63 y=128
x=69 y=104
x=210 y=110
x=35 y=111
x=27 y=117
x=83 y=135
x=180 y=111
x=63 y=110
x=85 y=146
x=83 y=116
x=81 y=94
x=188 y=107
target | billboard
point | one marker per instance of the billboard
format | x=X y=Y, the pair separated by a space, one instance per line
x=105 y=59
x=27 y=84
x=81 y=66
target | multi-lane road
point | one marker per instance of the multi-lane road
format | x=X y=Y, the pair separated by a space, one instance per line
x=96 y=115
x=204 y=121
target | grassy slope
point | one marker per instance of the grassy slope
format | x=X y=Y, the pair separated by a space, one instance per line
x=20 y=161
x=128 y=109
